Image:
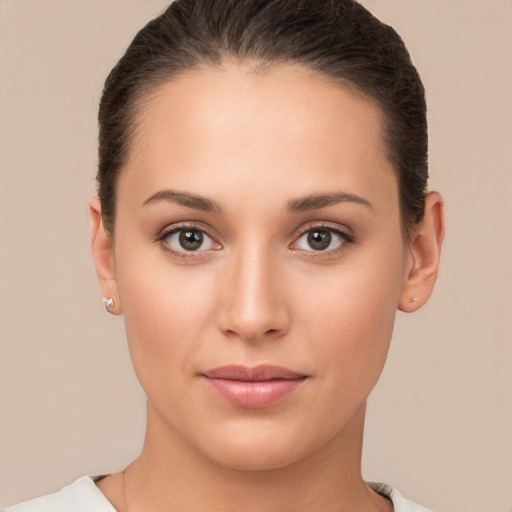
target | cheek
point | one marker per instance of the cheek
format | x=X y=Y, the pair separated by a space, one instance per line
x=352 y=323
x=165 y=309
x=349 y=319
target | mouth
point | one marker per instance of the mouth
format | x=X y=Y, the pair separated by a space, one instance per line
x=256 y=387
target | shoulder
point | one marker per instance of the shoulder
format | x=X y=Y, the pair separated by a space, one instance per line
x=80 y=496
x=400 y=504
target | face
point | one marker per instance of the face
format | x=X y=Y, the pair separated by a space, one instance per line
x=258 y=261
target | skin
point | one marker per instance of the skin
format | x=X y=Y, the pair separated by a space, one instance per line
x=256 y=292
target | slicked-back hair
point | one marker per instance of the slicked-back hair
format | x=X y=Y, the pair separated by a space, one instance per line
x=338 y=39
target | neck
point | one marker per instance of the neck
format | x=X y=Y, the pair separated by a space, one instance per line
x=170 y=474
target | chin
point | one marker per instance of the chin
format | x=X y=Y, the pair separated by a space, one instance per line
x=259 y=449
x=254 y=458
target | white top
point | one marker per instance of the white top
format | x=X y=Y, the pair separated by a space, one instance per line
x=84 y=496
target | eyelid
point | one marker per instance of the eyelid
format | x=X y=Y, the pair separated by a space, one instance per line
x=181 y=226
x=343 y=232
x=327 y=225
x=177 y=226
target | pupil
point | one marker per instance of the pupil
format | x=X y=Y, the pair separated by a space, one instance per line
x=319 y=240
x=191 y=240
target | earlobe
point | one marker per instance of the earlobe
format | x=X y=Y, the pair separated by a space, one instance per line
x=424 y=253
x=103 y=256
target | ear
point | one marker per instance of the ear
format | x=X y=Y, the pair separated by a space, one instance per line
x=103 y=256
x=423 y=258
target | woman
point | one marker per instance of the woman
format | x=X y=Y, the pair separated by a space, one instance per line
x=262 y=213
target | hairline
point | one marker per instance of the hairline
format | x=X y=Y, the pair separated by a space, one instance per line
x=149 y=92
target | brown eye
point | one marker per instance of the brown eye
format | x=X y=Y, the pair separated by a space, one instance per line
x=322 y=239
x=319 y=239
x=190 y=239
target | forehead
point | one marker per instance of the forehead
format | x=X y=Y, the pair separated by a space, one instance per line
x=257 y=130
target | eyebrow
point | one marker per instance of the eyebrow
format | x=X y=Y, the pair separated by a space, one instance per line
x=185 y=199
x=299 y=205
x=317 y=201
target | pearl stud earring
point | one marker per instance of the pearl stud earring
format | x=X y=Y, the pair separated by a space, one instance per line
x=109 y=304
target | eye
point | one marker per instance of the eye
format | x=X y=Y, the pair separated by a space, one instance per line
x=322 y=239
x=188 y=240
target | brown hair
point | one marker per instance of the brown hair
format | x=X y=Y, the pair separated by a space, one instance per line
x=337 y=38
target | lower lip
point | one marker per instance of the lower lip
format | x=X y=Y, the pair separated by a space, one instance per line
x=255 y=394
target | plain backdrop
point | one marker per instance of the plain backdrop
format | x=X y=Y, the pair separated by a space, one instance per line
x=439 y=423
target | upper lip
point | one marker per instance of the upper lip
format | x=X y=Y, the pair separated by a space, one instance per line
x=258 y=373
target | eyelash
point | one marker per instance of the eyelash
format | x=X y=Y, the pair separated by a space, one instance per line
x=177 y=229
x=346 y=239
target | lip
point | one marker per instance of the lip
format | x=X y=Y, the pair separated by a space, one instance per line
x=253 y=387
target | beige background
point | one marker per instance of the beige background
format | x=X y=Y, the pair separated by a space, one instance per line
x=440 y=420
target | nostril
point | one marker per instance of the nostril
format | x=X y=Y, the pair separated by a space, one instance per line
x=252 y=312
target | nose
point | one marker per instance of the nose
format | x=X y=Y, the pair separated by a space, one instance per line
x=253 y=298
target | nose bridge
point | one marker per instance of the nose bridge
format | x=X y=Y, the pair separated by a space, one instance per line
x=253 y=306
